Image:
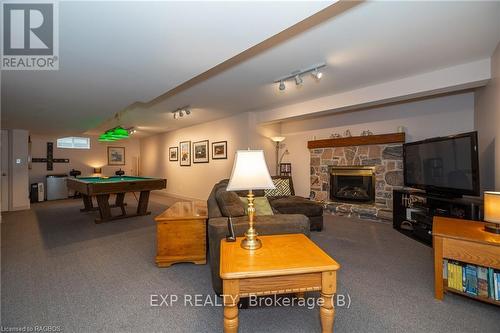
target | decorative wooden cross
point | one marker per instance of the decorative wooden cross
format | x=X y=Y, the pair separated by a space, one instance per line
x=50 y=160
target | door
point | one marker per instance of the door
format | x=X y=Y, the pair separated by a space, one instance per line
x=4 y=147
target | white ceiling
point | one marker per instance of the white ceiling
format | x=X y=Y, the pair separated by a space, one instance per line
x=113 y=54
x=372 y=43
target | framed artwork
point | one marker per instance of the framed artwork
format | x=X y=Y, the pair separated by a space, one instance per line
x=173 y=153
x=219 y=150
x=185 y=153
x=200 y=151
x=116 y=155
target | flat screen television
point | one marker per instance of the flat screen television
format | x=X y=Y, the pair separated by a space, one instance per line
x=447 y=166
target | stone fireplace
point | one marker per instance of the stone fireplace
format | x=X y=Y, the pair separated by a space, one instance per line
x=354 y=184
x=341 y=176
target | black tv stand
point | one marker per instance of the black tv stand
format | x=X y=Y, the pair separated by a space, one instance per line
x=413 y=211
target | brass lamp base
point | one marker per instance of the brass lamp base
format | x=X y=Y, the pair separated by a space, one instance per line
x=492 y=227
x=251 y=244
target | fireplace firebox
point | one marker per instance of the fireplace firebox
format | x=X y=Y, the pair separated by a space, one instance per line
x=352 y=184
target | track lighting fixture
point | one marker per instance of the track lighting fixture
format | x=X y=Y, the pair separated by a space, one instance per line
x=317 y=74
x=282 y=85
x=180 y=112
x=297 y=75
x=298 y=80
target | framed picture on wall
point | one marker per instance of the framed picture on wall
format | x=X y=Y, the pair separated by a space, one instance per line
x=219 y=150
x=116 y=155
x=200 y=151
x=173 y=153
x=185 y=153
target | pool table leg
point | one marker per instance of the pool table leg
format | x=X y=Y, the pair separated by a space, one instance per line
x=142 y=208
x=104 y=208
x=119 y=202
x=87 y=203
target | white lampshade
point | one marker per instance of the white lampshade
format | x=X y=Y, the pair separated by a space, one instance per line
x=492 y=207
x=250 y=172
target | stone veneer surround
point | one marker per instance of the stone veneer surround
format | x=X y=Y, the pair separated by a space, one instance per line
x=388 y=162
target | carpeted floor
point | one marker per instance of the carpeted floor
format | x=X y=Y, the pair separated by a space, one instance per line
x=59 y=268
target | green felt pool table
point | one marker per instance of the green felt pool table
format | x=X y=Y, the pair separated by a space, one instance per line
x=103 y=187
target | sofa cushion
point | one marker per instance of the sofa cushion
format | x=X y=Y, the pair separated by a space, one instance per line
x=282 y=189
x=230 y=204
x=297 y=205
x=261 y=205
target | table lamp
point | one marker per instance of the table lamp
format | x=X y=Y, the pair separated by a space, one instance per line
x=250 y=173
x=492 y=212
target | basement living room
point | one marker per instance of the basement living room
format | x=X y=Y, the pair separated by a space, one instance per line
x=292 y=166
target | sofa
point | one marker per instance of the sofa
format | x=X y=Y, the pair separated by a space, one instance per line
x=282 y=222
x=286 y=202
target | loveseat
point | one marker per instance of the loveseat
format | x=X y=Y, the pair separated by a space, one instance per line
x=222 y=204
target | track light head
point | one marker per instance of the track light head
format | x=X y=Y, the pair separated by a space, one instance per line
x=175 y=114
x=188 y=112
x=181 y=113
x=282 y=85
x=317 y=74
x=298 y=80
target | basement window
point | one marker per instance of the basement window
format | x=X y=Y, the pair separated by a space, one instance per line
x=73 y=142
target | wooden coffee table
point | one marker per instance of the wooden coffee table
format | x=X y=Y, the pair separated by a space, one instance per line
x=284 y=264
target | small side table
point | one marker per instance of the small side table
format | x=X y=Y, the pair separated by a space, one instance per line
x=181 y=234
x=464 y=241
x=284 y=264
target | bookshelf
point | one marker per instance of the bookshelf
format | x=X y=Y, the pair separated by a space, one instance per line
x=467 y=242
x=482 y=299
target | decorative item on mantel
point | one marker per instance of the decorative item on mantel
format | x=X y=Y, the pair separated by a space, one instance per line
x=347 y=133
x=335 y=136
x=366 y=133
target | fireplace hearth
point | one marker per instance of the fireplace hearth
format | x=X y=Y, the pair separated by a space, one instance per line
x=355 y=184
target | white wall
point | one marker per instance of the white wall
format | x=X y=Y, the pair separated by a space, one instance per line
x=422 y=119
x=196 y=181
x=488 y=125
x=82 y=159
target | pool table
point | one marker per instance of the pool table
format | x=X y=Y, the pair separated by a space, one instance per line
x=103 y=187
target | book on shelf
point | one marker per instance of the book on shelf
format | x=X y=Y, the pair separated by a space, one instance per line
x=482 y=281
x=471 y=279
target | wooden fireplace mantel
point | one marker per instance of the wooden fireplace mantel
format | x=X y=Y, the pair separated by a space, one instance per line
x=358 y=141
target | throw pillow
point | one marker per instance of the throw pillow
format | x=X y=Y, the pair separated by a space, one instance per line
x=230 y=204
x=282 y=188
x=261 y=205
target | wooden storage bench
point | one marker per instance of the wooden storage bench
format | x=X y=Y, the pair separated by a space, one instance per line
x=181 y=234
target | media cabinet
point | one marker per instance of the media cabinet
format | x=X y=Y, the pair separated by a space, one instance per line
x=414 y=210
